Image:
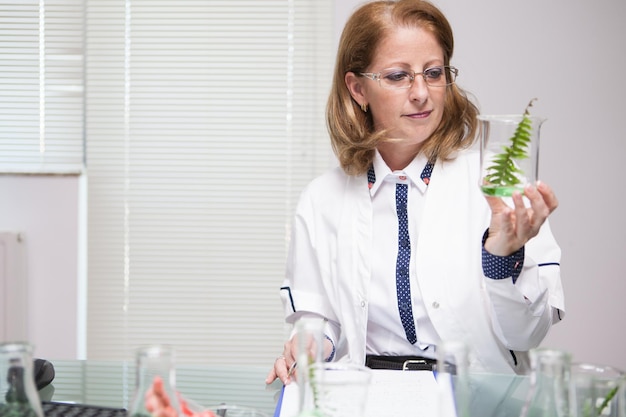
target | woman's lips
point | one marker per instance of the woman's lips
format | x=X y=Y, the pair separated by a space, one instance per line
x=419 y=115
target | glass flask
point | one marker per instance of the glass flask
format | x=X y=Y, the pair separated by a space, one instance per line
x=17 y=383
x=549 y=391
x=154 y=369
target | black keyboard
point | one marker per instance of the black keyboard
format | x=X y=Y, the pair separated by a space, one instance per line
x=59 y=409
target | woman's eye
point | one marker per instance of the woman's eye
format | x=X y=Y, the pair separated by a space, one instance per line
x=397 y=76
x=434 y=73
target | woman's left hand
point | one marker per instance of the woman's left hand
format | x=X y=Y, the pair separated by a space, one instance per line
x=512 y=227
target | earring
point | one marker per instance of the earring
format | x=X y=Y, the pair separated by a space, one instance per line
x=364 y=107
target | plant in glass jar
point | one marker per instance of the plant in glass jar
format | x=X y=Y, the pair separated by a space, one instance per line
x=509 y=152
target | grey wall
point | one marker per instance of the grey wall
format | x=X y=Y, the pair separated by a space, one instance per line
x=571 y=55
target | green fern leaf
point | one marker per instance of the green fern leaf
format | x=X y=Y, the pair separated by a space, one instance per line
x=504 y=172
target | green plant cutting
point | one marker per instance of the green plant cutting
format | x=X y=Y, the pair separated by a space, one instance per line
x=316 y=411
x=605 y=403
x=504 y=172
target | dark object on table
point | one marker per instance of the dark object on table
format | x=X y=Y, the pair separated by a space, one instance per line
x=43 y=372
x=59 y=409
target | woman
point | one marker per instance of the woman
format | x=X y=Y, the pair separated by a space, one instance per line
x=397 y=249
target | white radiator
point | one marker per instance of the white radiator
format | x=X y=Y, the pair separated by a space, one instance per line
x=13 y=288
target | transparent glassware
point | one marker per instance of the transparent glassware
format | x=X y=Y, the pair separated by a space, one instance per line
x=503 y=169
x=154 y=363
x=19 y=395
x=595 y=390
x=549 y=391
x=341 y=388
x=453 y=379
x=310 y=337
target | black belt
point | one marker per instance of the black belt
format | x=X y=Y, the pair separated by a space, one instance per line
x=401 y=363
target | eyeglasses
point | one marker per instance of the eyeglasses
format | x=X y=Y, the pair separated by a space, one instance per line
x=398 y=78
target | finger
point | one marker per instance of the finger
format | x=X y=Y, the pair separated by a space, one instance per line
x=496 y=204
x=540 y=209
x=281 y=369
x=548 y=195
x=522 y=217
x=271 y=376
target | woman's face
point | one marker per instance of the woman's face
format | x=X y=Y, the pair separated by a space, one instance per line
x=410 y=114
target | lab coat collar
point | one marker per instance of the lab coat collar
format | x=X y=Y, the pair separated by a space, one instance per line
x=412 y=173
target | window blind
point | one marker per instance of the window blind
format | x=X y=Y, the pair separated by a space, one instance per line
x=41 y=86
x=204 y=120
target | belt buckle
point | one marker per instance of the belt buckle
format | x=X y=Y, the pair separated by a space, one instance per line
x=405 y=365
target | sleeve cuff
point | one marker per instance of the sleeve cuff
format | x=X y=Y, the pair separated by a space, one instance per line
x=332 y=354
x=501 y=267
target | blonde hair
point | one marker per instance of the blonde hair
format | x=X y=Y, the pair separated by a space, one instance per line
x=351 y=130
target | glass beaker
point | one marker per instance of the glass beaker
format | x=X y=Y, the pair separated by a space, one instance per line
x=595 y=390
x=549 y=392
x=341 y=388
x=310 y=336
x=19 y=395
x=509 y=153
x=155 y=384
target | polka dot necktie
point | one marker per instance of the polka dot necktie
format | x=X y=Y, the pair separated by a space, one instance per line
x=403 y=286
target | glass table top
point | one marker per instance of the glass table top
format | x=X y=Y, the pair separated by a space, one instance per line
x=112 y=383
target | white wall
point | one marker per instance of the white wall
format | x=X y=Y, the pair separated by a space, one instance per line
x=568 y=53
x=45 y=211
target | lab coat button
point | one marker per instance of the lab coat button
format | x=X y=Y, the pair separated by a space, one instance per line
x=435 y=304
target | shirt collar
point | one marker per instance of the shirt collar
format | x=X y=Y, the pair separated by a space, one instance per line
x=412 y=173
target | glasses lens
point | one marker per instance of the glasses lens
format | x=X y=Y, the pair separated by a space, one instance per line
x=440 y=76
x=396 y=78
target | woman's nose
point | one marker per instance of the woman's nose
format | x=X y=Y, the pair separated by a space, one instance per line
x=419 y=89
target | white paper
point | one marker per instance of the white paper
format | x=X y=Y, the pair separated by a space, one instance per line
x=391 y=394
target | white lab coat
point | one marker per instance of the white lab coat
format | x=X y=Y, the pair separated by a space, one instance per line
x=329 y=268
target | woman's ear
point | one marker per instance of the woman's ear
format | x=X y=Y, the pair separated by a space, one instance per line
x=356 y=89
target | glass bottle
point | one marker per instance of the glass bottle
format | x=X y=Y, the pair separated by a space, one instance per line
x=19 y=395
x=154 y=367
x=549 y=391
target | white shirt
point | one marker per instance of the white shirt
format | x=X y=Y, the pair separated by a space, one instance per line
x=385 y=333
x=331 y=269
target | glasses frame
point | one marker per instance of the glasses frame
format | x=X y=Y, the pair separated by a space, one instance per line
x=449 y=71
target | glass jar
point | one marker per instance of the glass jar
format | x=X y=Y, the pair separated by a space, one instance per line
x=155 y=384
x=18 y=393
